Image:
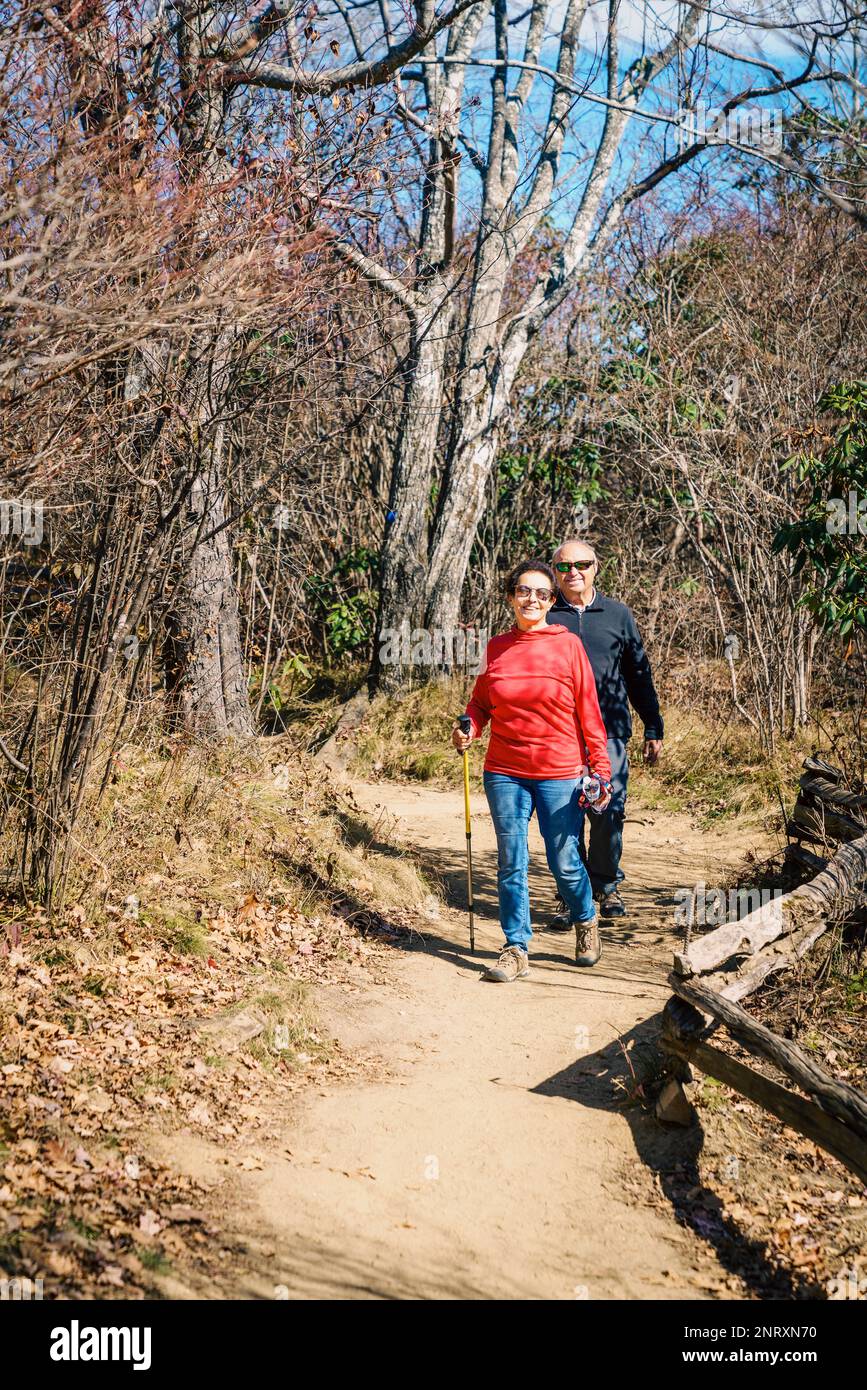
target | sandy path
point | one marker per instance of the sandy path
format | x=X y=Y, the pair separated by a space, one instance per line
x=489 y=1160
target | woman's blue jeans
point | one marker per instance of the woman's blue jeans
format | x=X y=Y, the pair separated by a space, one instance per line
x=555 y=800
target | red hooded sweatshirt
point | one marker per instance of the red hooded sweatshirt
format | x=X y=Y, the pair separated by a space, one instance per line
x=538 y=691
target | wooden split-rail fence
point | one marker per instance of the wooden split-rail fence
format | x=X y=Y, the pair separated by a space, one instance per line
x=714 y=973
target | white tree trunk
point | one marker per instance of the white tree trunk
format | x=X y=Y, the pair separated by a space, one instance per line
x=404 y=566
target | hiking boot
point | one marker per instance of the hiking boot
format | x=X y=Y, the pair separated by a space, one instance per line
x=511 y=965
x=588 y=947
x=612 y=905
x=561 y=921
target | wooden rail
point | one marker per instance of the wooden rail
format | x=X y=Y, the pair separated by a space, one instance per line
x=766 y=941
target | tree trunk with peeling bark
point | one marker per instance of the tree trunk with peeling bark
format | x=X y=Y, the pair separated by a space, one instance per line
x=204 y=667
x=205 y=677
x=403 y=571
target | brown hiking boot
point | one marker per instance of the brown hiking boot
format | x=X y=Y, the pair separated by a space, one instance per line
x=588 y=947
x=511 y=965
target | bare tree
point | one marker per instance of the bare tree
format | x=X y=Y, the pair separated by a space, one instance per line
x=141 y=295
x=189 y=73
x=544 y=166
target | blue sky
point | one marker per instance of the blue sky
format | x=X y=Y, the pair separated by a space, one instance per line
x=703 y=76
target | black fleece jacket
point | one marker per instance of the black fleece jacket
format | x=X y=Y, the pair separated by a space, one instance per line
x=613 y=644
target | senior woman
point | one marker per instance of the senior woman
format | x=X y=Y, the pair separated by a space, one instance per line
x=537 y=690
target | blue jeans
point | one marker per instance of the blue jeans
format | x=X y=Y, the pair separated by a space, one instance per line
x=555 y=800
x=605 y=832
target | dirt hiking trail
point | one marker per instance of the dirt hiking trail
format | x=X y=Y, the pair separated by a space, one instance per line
x=487 y=1152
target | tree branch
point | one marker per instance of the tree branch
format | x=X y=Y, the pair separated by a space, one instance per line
x=247 y=37
x=377 y=274
x=366 y=74
x=11 y=759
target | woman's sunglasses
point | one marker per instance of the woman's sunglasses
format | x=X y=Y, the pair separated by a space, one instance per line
x=524 y=591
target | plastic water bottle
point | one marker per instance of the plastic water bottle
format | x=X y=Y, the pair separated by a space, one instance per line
x=592 y=789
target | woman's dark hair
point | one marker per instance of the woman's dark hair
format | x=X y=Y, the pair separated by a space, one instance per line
x=537 y=566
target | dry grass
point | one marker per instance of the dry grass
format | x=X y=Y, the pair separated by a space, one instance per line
x=408 y=737
x=261 y=819
x=717 y=771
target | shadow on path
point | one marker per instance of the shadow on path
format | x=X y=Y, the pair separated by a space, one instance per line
x=672 y=1153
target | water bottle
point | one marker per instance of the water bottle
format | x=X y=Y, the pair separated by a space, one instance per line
x=592 y=790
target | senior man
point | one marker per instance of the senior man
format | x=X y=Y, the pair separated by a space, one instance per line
x=623 y=677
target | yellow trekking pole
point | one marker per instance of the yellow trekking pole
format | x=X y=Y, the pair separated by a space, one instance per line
x=466 y=727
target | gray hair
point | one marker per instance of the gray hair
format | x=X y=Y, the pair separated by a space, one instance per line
x=574 y=540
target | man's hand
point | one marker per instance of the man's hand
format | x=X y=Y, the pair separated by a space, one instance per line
x=652 y=750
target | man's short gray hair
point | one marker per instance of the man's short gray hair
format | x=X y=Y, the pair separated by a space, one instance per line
x=574 y=540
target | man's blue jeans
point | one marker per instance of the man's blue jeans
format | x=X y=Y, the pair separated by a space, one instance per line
x=555 y=800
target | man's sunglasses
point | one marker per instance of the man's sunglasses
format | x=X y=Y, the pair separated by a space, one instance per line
x=564 y=566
